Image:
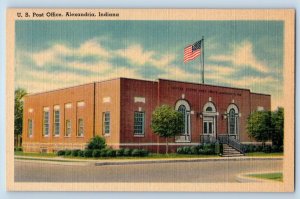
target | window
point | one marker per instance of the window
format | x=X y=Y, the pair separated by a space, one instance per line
x=233 y=115
x=46 y=119
x=232 y=122
x=106 y=122
x=68 y=128
x=80 y=131
x=209 y=109
x=30 y=128
x=139 y=123
x=56 y=122
x=182 y=109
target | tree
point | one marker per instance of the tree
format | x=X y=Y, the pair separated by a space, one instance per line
x=278 y=127
x=97 y=142
x=19 y=94
x=167 y=122
x=259 y=126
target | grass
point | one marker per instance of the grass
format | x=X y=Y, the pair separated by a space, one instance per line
x=264 y=154
x=45 y=155
x=48 y=160
x=268 y=176
x=151 y=156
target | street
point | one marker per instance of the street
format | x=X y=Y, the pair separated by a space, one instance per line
x=212 y=171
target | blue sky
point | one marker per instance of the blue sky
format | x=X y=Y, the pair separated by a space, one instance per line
x=55 y=54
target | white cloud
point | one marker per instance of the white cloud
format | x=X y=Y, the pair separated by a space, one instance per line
x=242 y=56
x=138 y=56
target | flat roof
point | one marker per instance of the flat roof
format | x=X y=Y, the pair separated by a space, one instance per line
x=154 y=81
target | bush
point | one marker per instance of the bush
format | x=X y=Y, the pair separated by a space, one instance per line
x=68 y=152
x=194 y=150
x=96 y=142
x=80 y=153
x=186 y=150
x=127 y=152
x=179 y=150
x=61 y=153
x=120 y=152
x=75 y=152
x=267 y=149
x=281 y=148
x=144 y=153
x=103 y=152
x=88 y=153
x=110 y=153
x=18 y=148
x=135 y=152
x=96 y=153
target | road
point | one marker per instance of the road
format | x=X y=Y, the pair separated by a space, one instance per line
x=220 y=171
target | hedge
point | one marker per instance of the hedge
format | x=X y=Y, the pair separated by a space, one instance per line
x=250 y=148
x=205 y=149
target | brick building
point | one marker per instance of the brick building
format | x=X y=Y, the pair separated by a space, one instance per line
x=120 y=110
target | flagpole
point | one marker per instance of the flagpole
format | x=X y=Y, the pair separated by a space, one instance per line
x=203 y=60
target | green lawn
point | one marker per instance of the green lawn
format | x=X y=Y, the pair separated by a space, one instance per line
x=151 y=156
x=268 y=176
x=46 y=155
x=264 y=154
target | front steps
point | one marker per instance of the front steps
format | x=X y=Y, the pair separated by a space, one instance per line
x=228 y=151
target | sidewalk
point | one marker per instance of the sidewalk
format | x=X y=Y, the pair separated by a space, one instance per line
x=106 y=162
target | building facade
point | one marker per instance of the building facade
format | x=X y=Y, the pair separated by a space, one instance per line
x=121 y=109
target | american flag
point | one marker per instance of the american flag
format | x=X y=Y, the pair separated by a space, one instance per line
x=192 y=51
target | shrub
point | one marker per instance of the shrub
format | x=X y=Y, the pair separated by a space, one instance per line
x=194 y=150
x=96 y=142
x=80 y=153
x=144 y=153
x=135 y=152
x=127 y=152
x=75 y=152
x=281 y=148
x=68 y=152
x=120 y=152
x=186 y=150
x=267 y=149
x=88 y=153
x=61 y=152
x=18 y=148
x=179 y=150
x=110 y=153
x=259 y=148
x=96 y=153
x=103 y=152
x=201 y=151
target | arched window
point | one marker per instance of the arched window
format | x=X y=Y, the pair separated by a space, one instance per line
x=184 y=107
x=233 y=115
x=232 y=122
x=209 y=109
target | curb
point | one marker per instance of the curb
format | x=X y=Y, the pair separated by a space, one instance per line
x=107 y=163
x=244 y=178
x=63 y=161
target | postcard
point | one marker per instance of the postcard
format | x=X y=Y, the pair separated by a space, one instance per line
x=183 y=100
